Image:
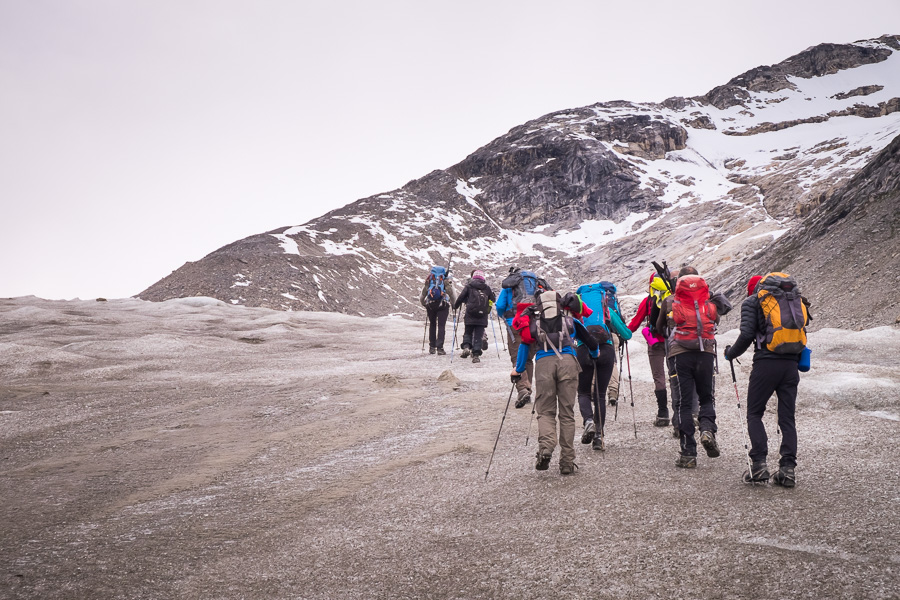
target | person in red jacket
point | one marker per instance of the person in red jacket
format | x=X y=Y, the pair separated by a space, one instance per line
x=648 y=313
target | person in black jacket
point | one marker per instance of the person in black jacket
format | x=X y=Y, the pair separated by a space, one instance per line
x=478 y=298
x=771 y=372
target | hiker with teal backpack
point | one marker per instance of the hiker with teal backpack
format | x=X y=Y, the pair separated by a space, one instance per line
x=518 y=289
x=601 y=316
x=774 y=317
x=478 y=298
x=437 y=296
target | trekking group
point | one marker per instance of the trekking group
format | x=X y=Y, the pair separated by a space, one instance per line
x=565 y=349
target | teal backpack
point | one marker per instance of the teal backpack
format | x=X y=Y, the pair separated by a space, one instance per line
x=601 y=298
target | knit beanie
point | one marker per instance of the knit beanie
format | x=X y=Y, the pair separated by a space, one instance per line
x=476 y=274
x=751 y=285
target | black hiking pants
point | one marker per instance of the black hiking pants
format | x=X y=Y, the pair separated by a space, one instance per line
x=437 y=324
x=476 y=333
x=695 y=370
x=605 y=365
x=780 y=376
x=676 y=393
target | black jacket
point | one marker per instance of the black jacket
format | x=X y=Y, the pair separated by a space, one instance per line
x=464 y=295
x=753 y=325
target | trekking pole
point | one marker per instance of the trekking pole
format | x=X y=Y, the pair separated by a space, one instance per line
x=619 y=393
x=503 y=331
x=631 y=390
x=425 y=332
x=494 y=333
x=453 y=346
x=529 y=424
x=498 y=432
x=741 y=422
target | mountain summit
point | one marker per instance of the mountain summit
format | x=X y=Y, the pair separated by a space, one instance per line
x=597 y=192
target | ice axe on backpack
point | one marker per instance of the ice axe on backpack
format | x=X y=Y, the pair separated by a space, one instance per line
x=663 y=272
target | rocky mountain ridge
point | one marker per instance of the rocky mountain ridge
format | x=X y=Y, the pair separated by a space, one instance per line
x=592 y=192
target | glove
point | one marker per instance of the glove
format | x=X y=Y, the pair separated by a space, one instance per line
x=727 y=351
x=515 y=378
x=595 y=356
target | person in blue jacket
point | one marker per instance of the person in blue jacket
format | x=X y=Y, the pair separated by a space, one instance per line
x=506 y=310
x=548 y=326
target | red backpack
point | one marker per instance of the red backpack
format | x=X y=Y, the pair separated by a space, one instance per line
x=694 y=315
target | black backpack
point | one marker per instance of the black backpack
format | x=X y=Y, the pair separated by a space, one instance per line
x=524 y=285
x=477 y=303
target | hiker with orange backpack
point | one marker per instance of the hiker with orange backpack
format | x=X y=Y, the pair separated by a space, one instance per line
x=773 y=317
x=691 y=319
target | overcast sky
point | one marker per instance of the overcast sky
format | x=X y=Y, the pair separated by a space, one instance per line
x=136 y=135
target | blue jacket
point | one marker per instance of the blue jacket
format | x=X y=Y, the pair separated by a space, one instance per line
x=505 y=303
x=580 y=334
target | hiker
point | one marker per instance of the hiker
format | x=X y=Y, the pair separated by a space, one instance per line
x=648 y=312
x=602 y=318
x=478 y=298
x=772 y=299
x=518 y=289
x=437 y=296
x=692 y=319
x=547 y=325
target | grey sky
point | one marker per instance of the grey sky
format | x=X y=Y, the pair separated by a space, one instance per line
x=137 y=135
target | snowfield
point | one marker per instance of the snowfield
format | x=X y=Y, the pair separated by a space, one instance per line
x=197 y=449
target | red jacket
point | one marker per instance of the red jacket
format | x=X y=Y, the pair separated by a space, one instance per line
x=642 y=313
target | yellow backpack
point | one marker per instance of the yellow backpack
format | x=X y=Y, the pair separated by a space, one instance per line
x=785 y=314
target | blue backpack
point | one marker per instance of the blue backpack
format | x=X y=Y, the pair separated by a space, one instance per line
x=435 y=281
x=601 y=298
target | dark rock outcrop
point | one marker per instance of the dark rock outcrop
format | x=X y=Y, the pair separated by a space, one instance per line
x=845 y=254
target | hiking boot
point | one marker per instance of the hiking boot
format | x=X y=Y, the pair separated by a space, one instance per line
x=431 y=350
x=758 y=473
x=525 y=399
x=708 y=439
x=465 y=353
x=441 y=352
x=475 y=359
x=686 y=462
x=599 y=443
x=661 y=421
x=567 y=468
x=543 y=460
x=785 y=477
x=588 y=435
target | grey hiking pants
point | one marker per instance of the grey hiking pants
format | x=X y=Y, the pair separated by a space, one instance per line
x=612 y=391
x=657 y=357
x=556 y=380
